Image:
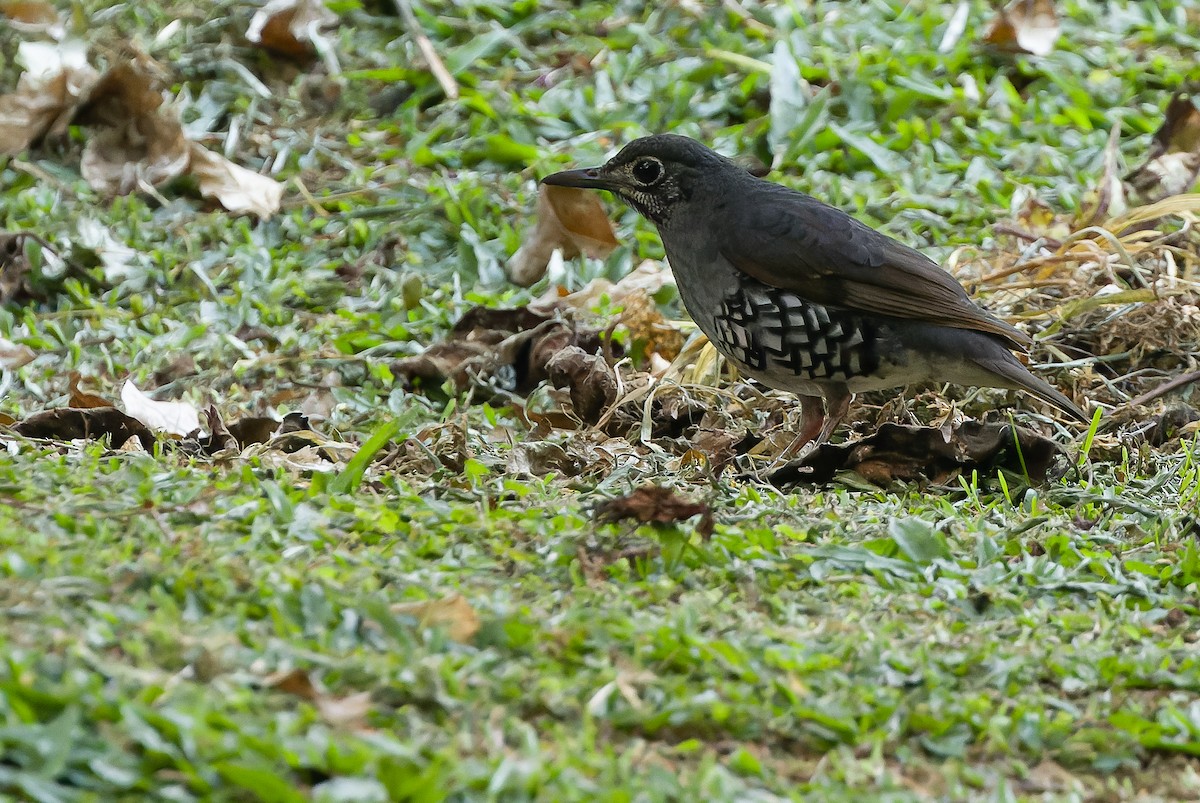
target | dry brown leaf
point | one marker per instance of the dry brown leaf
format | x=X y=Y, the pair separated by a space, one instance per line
x=453 y=613
x=648 y=327
x=218 y=440
x=897 y=452
x=290 y=27
x=1025 y=26
x=256 y=429
x=14 y=355
x=234 y=187
x=66 y=424
x=647 y=279
x=1173 y=158
x=590 y=380
x=655 y=504
x=539 y=458
x=80 y=400
x=509 y=347
x=346 y=712
x=138 y=142
x=29 y=12
x=56 y=78
x=568 y=219
x=717 y=446
x=295 y=682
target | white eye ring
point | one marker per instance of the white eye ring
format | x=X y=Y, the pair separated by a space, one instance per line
x=647 y=171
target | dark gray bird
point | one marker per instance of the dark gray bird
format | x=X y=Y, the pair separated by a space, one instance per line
x=800 y=295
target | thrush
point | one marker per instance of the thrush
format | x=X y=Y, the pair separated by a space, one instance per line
x=800 y=295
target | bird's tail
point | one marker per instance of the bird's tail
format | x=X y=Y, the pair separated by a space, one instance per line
x=1021 y=379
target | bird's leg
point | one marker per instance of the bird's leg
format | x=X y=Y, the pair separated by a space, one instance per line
x=837 y=404
x=812 y=416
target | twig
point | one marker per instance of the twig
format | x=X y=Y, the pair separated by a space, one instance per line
x=1022 y=234
x=319 y=210
x=1055 y=259
x=443 y=76
x=1165 y=388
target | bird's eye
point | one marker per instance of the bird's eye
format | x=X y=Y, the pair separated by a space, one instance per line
x=647 y=171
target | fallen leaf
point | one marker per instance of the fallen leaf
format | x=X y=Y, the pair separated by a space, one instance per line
x=304 y=461
x=253 y=430
x=29 y=12
x=569 y=220
x=14 y=355
x=137 y=142
x=589 y=379
x=67 y=424
x=218 y=440
x=507 y=349
x=904 y=453
x=453 y=613
x=539 y=458
x=181 y=365
x=56 y=78
x=80 y=400
x=345 y=712
x=1025 y=26
x=653 y=504
x=295 y=682
x=234 y=187
x=718 y=448
x=1173 y=158
x=647 y=279
x=173 y=418
x=649 y=332
x=290 y=27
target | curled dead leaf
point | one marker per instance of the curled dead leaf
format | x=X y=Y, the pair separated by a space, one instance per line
x=1025 y=26
x=218 y=439
x=14 y=355
x=453 y=613
x=56 y=78
x=81 y=400
x=539 y=458
x=507 y=348
x=904 y=453
x=234 y=187
x=257 y=429
x=137 y=142
x=29 y=12
x=590 y=380
x=66 y=424
x=653 y=504
x=570 y=220
x=289 y=27
x=349 y=711
x=1173 y=158
x=718 y=448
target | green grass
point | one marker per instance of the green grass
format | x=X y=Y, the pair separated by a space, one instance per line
x=982 y=641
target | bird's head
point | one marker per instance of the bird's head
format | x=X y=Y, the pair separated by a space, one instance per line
x=655 y=175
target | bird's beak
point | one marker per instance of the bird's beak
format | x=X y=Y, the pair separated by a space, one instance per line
x=586 y=178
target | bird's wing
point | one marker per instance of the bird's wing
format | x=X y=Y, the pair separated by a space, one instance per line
x=791 y=240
